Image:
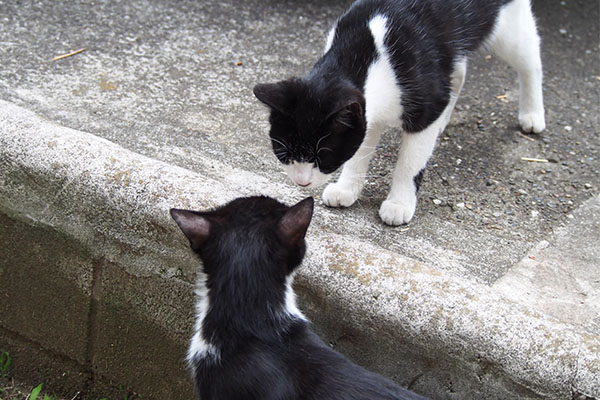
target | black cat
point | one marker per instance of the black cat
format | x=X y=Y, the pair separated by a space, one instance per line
x=251 y=342
x=394 y=63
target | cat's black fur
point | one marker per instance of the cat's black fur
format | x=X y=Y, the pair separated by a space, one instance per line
x=320 y=118
x=264 y=351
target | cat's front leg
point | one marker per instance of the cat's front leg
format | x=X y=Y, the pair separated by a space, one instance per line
x=415 y=150
x=342 y=193
x=346 y=190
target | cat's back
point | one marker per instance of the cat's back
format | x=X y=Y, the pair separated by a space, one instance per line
x=325 y=374
x=464 y=22
x=419 y=41
x=299 y=366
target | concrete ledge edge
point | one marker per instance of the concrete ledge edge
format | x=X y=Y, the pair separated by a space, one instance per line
x=116 y=202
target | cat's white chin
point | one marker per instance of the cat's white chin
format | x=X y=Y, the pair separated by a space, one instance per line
x=306 y=174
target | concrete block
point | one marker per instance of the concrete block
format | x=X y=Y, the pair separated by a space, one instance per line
x=32 y=365
x=143 y=325
x=45 y=287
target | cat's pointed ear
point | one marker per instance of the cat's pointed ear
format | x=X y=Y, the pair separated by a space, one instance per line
x=349 y=109
x=294 y=223
x=279 y=96
x=194 y=226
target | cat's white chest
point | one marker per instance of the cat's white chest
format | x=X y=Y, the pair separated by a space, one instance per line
x=382 y=92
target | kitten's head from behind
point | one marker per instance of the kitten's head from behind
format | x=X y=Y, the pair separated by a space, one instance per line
x=249 y=248
x=315 y=127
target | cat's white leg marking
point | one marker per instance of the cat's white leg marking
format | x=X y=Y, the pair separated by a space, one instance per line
x=457 y=80
x=200 y=347
x=415 y=150
x=515 y=40
x=383 y=108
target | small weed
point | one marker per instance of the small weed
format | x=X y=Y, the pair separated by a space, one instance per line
x=36 y=392
x=4 y=363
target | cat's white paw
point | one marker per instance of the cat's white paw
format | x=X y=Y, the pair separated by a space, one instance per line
x=398 y=213
x=532 y=122
x=338 y=195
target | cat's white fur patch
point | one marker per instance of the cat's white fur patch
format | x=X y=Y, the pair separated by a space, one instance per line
x=200 y=347
x=330 y=38
x=415 y=150
x=516 y=41
x=290 y=307
x=306 y=174
x=382 y=91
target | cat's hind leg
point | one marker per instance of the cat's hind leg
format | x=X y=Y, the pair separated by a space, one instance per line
x=515 y=40
x=415 y=151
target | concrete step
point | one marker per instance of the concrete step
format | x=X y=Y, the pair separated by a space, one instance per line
x=96 y=273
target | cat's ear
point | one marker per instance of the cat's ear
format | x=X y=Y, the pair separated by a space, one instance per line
x=349 y=109
x=294 y=223
x=279 y=96
x=194 y=226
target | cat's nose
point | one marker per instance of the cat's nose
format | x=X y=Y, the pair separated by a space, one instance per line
x=302 y=180
x=301 y=173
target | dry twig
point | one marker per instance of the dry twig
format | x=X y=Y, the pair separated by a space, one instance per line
x=526 y=137
x=540 y=160
x=72 y=53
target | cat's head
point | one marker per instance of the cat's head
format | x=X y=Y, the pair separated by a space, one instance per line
x=256 y=239
x=315 y=127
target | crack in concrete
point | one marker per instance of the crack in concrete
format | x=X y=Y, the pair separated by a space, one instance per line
x=92 y=325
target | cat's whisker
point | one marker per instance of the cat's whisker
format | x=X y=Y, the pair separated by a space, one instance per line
x=364 y=176
x=325 y=148
x=370 y=154
x=281 y=143
x=320 y=140
x=346 y=124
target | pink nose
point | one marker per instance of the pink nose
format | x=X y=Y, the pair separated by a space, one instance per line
x=301 y=173
x=302 y=180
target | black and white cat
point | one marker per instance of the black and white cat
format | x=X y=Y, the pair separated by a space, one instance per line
x=251 y=342
x=395 y=63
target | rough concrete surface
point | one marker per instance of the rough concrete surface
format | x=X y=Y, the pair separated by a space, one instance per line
x=493 y=293
x=445 y=336
x=562 y=277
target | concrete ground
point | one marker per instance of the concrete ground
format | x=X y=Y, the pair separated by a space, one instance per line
x=172 y=81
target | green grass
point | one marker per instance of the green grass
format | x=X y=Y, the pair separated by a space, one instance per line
x=4 y=363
